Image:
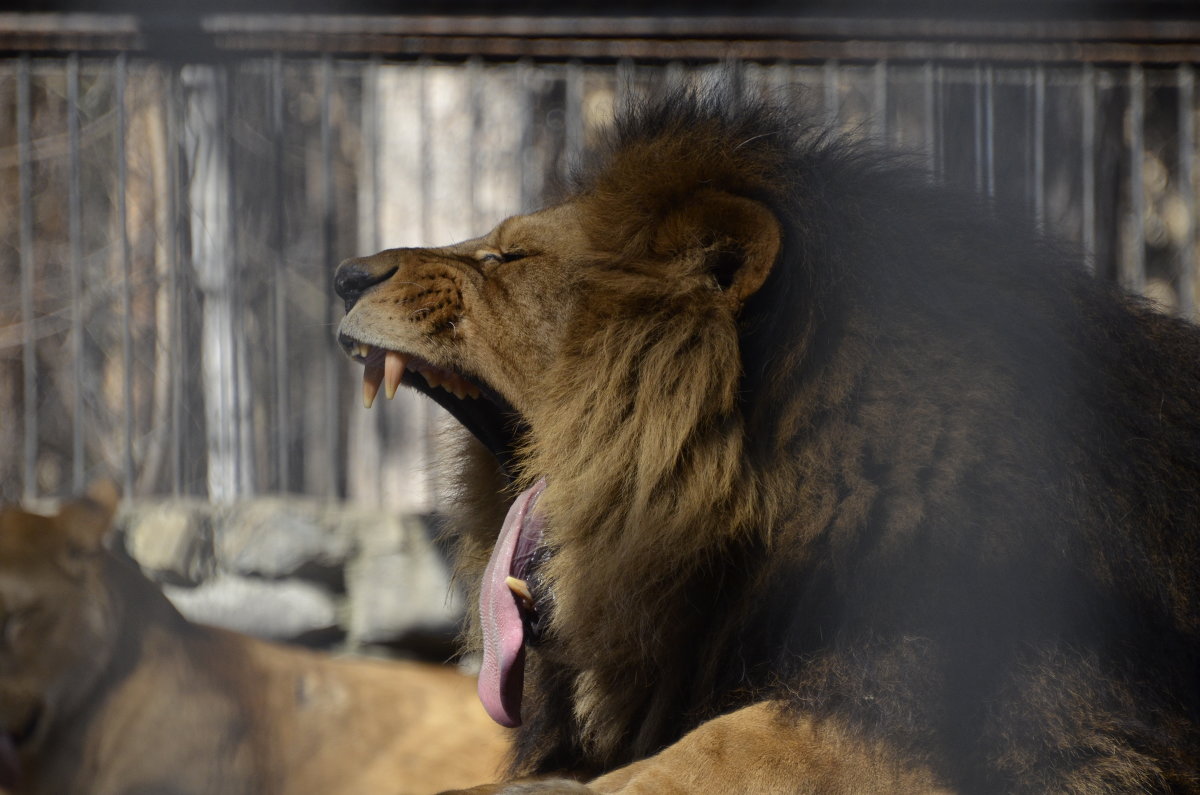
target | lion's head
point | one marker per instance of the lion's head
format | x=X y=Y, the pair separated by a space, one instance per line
x=55 y=617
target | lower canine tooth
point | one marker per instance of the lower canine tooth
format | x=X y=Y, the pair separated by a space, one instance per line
x=520 y=589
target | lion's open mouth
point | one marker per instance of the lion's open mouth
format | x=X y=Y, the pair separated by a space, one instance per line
x=512 y=611
x=469 y=399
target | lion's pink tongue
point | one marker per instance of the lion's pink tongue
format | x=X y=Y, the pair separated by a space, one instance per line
x=502 y=674
x=10 y=764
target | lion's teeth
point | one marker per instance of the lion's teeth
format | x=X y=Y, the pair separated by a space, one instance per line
x=472 y=391
x=364 y=350
x=520 y=589
x=372 y=378
x=393 y=370
x=432 y=377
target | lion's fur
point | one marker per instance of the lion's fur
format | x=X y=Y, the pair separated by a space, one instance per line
x=928 y=481
x=131 y=697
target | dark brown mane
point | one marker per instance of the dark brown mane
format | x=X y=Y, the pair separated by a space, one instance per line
x=935 y=479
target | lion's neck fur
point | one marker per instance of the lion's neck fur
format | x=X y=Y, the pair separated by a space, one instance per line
x=641 y=434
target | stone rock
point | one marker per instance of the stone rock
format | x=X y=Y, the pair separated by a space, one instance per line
x=402 y=594
x=171 y=541
x=382 y=532
x=279 y=537
x=286 y=611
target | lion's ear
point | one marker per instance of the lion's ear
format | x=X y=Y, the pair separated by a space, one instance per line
x=737 y=238
x=86 y=520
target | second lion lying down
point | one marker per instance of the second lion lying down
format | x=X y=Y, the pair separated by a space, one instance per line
x=106 y=690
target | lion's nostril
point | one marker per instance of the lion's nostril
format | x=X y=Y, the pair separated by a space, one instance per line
x=355 y=276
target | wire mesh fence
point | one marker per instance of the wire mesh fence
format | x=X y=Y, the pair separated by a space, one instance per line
x=169 y=229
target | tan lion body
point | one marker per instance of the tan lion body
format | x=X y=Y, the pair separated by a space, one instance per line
x=132 y=698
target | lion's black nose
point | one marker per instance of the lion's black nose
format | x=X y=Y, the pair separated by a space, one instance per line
x=355 y=276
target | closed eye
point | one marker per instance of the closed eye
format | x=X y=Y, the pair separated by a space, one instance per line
x=497 y=257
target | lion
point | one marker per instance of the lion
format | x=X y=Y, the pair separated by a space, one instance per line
x=819 y=476
x=105 y=688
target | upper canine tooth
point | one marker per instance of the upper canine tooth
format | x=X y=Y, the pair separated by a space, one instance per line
x=393 y=370
x=372 y=378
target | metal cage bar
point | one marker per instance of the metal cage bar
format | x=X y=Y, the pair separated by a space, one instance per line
x=29 y=367
x=1186 y=276
x=75 y=244
x=1133 y=263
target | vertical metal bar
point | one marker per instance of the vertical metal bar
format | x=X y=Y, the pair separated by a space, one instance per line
x=879 y=100
x=28 y=350
x=1133 y=270
x=931 y=136
x=1088 y=113
x=626 y=75
x=370 y=237
x=977 y=125
x=574 y=110
x=475 y=110
x=989 y=131
x=1186 y=283
x=735 y=76
x=75 y=238
x=371 y=143
x=779 y=81
x=428 y=417
x=279 y=341
x=424 y=147
x=243 y=470
x=1039 y=146
x=126 y=270
x=829 y=78
x=174 y=283
x=675 y=75
x=940 y=123
x=525 y=77
x=328 y=230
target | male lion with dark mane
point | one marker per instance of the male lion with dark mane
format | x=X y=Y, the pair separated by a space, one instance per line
x=823 y=477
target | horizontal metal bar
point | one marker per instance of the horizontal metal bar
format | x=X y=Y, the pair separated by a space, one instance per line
x=709 y=49
x=130 y=26
x=70 y=32
x=639 y=37
x=718 y=27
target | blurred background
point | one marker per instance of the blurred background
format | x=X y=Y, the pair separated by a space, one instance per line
x=177 y=182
